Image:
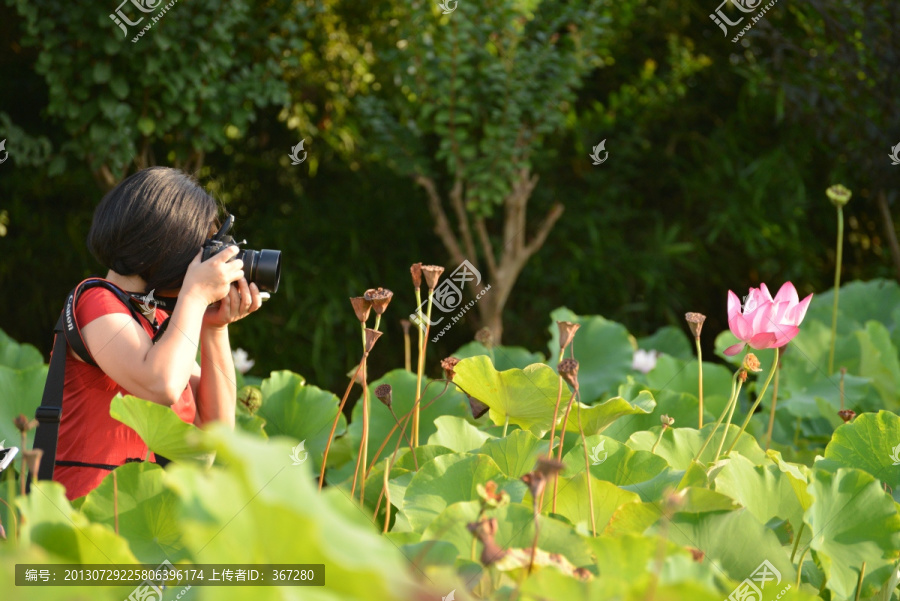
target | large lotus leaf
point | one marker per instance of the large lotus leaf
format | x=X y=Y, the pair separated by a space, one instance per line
x=403 y=384
x=680 y=406
x=526 y=397
x=517 y=453
x=798 y=475
x=20 y=391
x=254 y=512
x=871 y=442
x=552 y=584
x=572 y=500
x=683 y=376
x=734 y=541
x=669 y=340
x=612 y=461
x=18 y=356
x=147 y=511
x=764 y=490
x=296 y=409
x=596 y=418
x=878 y=360
x=457 y=434
x=859 y=302
x=602 y=348
x=633 y=518
x=515 y=528
x=702 y=500
x=49 y=521
x=679 y=446
x=503 y=357
x=160 y=429
x=853 y=521
x=804 y=400
x=443 y=481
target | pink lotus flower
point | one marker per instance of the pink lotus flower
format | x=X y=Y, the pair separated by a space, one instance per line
x=765 y=322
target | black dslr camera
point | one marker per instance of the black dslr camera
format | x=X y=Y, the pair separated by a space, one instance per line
x=260 y=266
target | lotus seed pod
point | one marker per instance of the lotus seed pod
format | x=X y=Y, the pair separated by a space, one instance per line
x=839 y=195
x=478 y=408
x=379 y=297
x=448 y=364
x=568 y=369
x=567 y=331
x=384 y=393
x=432 y=274
x=250 y=397
x=372 y=337
x=415 y=270
x=361 y=307
x=695 y=323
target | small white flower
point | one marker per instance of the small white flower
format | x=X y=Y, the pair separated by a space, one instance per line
x=242 y=361
x=644 y=361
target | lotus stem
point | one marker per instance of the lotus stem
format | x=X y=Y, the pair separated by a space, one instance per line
x=797 y=542
x=363 y=443
x=505 y=426
x=721 y=417
x=772 y=410
x=423 y=345
x=377 y=320
x=837 y=285
x=800 y=565
x=387 y=495
x=587 y=469
x=862 y=574
x=562 y=439
x=843 y=373
x=406 y=438
x=658 y=439
x=337 y=418
x=733 y=403
x=758 y=400
x=700 y=380
x=553 y=427
x=14 y=522
x=116 y=499
x=407 y=351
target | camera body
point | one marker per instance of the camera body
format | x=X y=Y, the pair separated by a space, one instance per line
x=262 y=267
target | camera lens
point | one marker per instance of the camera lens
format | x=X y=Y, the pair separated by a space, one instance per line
x=262 y=267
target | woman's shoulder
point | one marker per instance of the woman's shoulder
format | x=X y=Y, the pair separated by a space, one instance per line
x=96 y=302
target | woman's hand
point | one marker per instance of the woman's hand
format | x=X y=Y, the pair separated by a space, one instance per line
x=241 y=301
x=210 y=280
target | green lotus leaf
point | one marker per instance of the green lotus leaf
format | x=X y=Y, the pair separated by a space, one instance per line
x=21 y=391
x=596 y=418
x=18 y=356
x=798 y=475
x=446 y=480
x=524 y=397
x=679 y=446
x=669 y=340
x=457 y=434
x=682 y=376
x=602 y=348
x=49 y=521
x=572 y=500
x=160 y=429
x=304 y=412
x=680 y=406
x=859 y=303
x=632 y=518
x=502 y=357
x=148 y=512
x=871 y=442
x=517 y=453
x=703 y=500
x=853 y=521
x=612 y=461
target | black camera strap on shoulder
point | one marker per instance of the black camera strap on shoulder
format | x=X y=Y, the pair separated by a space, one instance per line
x=48 y=414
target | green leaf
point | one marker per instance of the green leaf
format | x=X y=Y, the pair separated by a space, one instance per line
x=516 y=454
x=596 y=418
x=669 y=340
x=101 y=72
x=18 y=356
x=871 y=442
x=21 y=391
x=602 y=348
x=160 y=428
x=854 y=521
x=457 y=434
x=146 y=125
x=679 y=446
x=526 y=397
x=148 y=517
x=573 y=503
x=299 y=410
x=503 y=357
x=683 y=376
x=119 y=87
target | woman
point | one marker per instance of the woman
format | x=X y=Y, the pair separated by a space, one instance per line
x=148 y=231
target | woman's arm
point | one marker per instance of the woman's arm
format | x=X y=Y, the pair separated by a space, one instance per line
x=216 y=393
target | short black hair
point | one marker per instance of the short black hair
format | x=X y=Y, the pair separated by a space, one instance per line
x=152 y=224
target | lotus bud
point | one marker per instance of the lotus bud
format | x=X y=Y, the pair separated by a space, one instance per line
x=751 y=363
x=478 y=408
x=432 y=274
x=372 y=337
x=416 y=271
x=489 y=495
x=485 y=337
x=448 y=364
x=361 y=307
x=568 y=369
x=384 y=393
x=250 y=397
x=742 y=375
x=697 y=554
x=379 y=297
x=695 y=323
x=567 y=331
x=839 y=195
x=847 y=415
x=23 y=424
x=535 y=482
x=666 y=421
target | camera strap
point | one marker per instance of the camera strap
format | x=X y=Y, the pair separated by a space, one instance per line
x=48 y=414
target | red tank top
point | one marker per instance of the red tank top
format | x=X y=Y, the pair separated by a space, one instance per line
x=87 y=433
